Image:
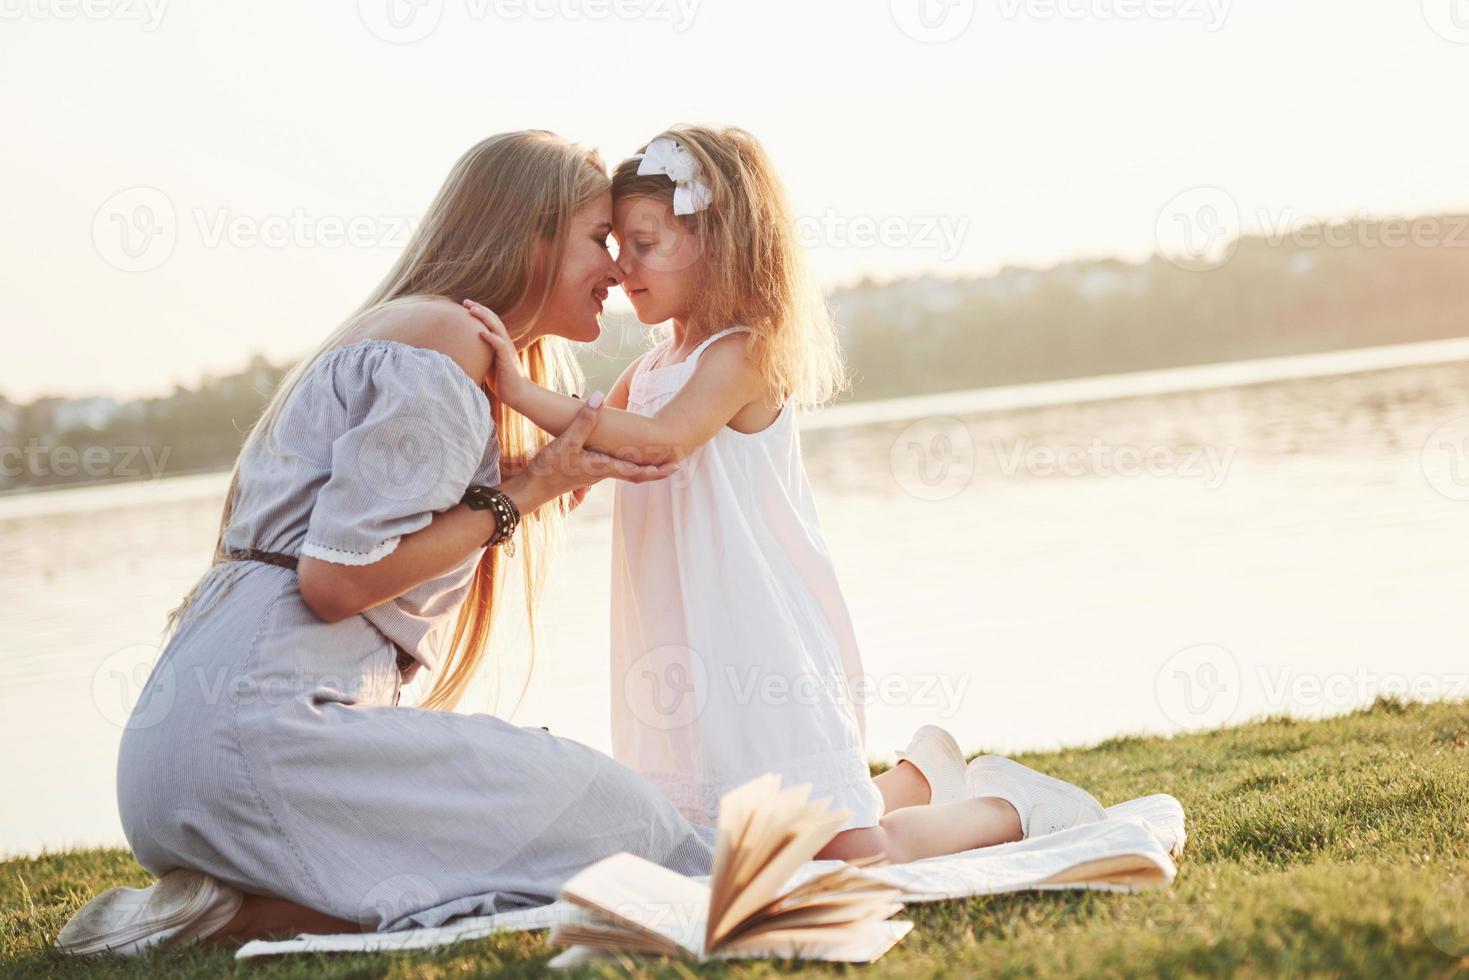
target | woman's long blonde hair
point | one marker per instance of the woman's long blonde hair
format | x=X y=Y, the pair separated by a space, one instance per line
x=752 y=269
x=478 y=240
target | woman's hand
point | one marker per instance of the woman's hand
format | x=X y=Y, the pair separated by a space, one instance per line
x=505 y=376
x=566 y=465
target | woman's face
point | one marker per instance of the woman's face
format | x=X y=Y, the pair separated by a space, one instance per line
x=587 y=273
x=659 y=259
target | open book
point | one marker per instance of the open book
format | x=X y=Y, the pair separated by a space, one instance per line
x=765 y=833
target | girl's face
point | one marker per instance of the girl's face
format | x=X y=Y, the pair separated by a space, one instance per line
x=587 y=273
x=659 y=259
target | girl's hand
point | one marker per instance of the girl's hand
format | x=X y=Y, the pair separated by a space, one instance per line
x=505 y=376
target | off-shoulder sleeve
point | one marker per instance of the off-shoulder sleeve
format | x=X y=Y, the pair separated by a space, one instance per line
x=419 y=430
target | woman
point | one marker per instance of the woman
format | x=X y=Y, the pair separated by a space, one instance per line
x=269 y=776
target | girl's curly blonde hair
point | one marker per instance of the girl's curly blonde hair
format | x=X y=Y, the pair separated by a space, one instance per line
x=752 y=270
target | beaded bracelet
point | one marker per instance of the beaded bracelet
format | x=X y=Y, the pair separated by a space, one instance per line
x=507 y=515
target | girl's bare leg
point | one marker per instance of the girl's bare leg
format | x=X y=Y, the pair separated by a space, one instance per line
x=902 y=786
x=261 y=916
x=917 y=832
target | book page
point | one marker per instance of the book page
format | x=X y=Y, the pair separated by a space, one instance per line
x=736 y=809
x=846 y=878
x=809 y=833
x=845 y=886
x=640 y=895
x=764 y=836
x=764 y=822
x=593 y=933
x=824 y=914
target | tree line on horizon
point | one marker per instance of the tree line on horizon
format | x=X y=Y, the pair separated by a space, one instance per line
x=906 y=337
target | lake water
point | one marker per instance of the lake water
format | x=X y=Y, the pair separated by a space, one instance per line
x=1031 y=567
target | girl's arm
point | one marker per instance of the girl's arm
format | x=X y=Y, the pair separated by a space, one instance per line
x=723 y=383
x=622 y=387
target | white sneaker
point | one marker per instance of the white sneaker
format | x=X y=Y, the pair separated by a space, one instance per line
x=181 y=906
x=935 y=753
x=1045 y=804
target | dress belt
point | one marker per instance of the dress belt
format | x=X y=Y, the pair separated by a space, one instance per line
x=405 y=661
x=269 y=557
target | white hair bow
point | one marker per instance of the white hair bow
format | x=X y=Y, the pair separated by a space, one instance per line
x=666 y=156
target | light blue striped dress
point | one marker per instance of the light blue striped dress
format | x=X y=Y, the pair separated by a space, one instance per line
x=268 y=749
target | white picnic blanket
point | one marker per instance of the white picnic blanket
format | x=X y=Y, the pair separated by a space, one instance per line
x=1132 y=849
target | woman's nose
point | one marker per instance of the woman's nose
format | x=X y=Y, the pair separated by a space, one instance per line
x=622 y=270
x=615 y=275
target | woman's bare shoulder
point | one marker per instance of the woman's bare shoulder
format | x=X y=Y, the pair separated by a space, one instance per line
x=435 y=323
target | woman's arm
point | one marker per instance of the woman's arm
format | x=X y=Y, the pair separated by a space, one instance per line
x=723 y=383
x=335 y=592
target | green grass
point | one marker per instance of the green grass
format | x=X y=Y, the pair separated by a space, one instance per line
x=1328 y=848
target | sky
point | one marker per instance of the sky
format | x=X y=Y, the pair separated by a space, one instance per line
x=184 y=185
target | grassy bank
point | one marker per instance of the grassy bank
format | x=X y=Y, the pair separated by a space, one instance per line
x=1338 y=847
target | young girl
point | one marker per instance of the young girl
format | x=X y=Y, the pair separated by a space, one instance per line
x=733 y=653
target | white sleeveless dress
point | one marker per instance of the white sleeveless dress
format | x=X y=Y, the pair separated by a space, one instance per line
x=733 y=652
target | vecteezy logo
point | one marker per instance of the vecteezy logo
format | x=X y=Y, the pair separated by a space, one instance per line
x=1445 y=459
x=394 y=899
x=933 y=459
x=135 y=230
x=1199 y=229
x=1446 y=917
x=1448 y=18
x=401 y=457
x=666 y=688
x=132 y=690
x=932 y=21
x=1199 y=687
x=401 y=21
